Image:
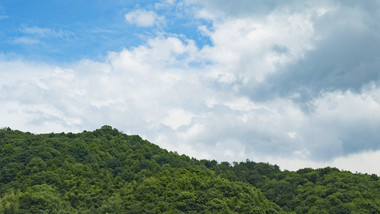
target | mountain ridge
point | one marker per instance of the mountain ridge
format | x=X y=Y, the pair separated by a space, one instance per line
x=106 y=171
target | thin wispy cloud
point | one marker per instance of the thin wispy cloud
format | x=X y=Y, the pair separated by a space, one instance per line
x=26 y=41
x=44 y=32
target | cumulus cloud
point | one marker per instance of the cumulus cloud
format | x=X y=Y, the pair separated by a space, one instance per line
x=250 y=49
x=308 y=47
x=144 y=18
x=130 y=82
x=344 y=56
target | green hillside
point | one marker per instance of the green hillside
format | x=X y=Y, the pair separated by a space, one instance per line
x=326 y=190
x=106 y=171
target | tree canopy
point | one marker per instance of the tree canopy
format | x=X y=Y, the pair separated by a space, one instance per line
x=106 y=171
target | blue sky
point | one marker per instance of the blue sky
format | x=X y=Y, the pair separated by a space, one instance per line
x=65 y=31
x=291 y=83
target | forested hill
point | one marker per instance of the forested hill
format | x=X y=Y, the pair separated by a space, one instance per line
x=106 y=171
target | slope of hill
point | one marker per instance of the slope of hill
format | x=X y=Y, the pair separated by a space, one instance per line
x=326 y=190
x=106 y=171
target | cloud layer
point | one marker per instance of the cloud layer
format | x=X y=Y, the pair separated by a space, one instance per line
x=293 y=84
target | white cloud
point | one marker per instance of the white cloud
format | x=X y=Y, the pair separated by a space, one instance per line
x=247 y=49
x=292 y=134
x=177 y=118
x=144 y=18
x=362 y=162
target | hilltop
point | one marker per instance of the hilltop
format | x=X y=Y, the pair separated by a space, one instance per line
x=107 y=171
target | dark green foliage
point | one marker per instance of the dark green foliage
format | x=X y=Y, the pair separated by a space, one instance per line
x=326 y=190
x=105 y=171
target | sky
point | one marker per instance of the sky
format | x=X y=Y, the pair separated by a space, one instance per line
x=292 y=83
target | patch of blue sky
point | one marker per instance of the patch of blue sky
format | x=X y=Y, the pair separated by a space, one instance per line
x=181 y=21
x=67 y=31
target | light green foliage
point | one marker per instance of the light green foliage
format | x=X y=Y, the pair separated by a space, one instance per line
x=41 y=199
x=9 y=203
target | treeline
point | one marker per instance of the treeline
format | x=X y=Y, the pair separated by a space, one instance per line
x=106 y=171
x=326 y=190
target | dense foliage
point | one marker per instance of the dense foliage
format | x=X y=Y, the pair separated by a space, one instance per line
x=326 y=190
x=106 y=171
